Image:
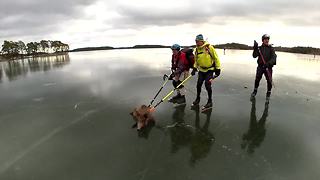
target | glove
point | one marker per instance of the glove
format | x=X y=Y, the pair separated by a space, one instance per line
x=255 y=45
x=217 y=72
x=194 y=70
x=165 y=76
x=171 y=76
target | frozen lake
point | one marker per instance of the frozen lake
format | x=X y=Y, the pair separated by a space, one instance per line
x=67 y=118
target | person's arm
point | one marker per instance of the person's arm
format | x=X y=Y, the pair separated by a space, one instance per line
x=217 y=68
x=255 y=53
x=195 y=64
x=273 y=57
x=255 y=50
x=173 y=68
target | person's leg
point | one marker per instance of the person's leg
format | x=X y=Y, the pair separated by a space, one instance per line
x=268 y=76
x=209 y=76
x=181 y=89
x=201 y=78
x=175 y=83
x=259 y=73
x=182 y=77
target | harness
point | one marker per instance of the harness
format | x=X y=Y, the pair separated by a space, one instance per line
x=213 y=64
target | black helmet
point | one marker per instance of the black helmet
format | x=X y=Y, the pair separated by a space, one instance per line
x=265 y=36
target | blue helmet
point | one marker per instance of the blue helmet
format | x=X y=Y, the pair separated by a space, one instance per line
x=176 y=47
x=199 y=37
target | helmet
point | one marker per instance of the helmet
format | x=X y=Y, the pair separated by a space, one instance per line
x=265 y=36
x=175 y=47
x=199 y=37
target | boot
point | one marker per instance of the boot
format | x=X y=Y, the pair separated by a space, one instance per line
x=254 y=93
x=174 y=98
x=196 y=102
x=181 y=100
x=208 y=105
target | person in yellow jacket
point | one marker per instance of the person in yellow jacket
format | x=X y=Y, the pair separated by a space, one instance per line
x=206 y=63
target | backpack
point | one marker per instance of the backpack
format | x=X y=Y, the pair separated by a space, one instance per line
x=189 y=56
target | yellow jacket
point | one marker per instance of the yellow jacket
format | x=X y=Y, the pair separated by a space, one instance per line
x=206 y=58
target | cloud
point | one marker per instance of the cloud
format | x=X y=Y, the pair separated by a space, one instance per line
x=25 y=17
x=294 y=12
x=99 y=22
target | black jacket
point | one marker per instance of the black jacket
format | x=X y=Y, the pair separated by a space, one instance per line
x=268 y=53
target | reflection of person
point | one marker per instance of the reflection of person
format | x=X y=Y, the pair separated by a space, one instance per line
x=202 y=139
x=257 y=130
x=180 y=134
x=180 y=71
x=267 y=59
x=207 y=63
x=198 y=139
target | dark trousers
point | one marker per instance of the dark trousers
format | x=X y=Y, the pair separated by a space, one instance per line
x=267 y=74
x=205 y=77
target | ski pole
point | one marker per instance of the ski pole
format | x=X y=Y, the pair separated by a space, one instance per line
x=166 y=79
x=170 y=93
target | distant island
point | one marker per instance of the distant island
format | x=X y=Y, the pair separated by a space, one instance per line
x=18 y=49
x=110 y=48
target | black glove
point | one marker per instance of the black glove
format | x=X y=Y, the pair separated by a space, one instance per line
x=165 y=76
x=194 y=70
x=217 y=72
x=171 y=76
x=255 y=45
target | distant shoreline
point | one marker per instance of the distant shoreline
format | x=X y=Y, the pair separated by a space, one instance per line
x=235 y=46
x=114 y=48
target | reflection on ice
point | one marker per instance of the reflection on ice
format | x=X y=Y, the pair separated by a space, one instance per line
x=16 y=68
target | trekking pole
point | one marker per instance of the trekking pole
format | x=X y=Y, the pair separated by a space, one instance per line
x=170 y=93
x=166 y=79
x=264 y=62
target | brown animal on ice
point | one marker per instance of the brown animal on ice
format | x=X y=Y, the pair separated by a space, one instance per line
x=142 y=115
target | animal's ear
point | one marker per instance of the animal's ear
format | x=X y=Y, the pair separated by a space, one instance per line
x=134 y=125
x=131 y=113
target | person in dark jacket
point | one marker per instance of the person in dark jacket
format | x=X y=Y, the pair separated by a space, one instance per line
x=266 y=60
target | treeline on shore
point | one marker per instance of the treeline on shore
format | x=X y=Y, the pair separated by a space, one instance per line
x=11 y=49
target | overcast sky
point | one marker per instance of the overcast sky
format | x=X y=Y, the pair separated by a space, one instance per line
x=82 y=23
